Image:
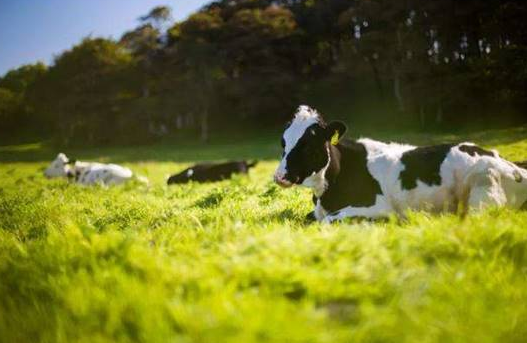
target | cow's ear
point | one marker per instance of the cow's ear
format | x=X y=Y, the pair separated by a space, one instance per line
x=335 y=131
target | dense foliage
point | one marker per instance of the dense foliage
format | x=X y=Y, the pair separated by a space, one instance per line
x=243 y=63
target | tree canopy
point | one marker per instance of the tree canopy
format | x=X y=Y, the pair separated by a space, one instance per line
x=248 y=63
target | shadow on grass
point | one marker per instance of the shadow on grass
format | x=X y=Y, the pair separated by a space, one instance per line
x=285 y=215
x=263 y=147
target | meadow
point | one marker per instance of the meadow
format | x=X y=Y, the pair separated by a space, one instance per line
x=235 y=261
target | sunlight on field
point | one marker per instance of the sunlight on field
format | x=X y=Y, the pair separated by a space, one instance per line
x=234 y=261
x=22 y=147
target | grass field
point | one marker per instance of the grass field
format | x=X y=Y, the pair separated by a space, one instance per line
x=234 y=261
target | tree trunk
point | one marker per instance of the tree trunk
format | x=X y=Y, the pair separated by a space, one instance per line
x=422 y=116
x=397 y=73
x=145 y=91
x=439 y=114
x=397 y=90
x=377 y=78
x=205 y=125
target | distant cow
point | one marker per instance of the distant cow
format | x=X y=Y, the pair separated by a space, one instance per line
x=207 y=172
x=89 y=173
x=367 y=178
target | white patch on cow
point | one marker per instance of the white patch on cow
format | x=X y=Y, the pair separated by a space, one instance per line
x=320 y=212
x=190 y=172
x=59 y=167
x=304 y=118
x=380 y=209
x=105 y=174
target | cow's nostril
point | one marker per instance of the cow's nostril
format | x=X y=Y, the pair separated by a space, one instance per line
x=282 y=181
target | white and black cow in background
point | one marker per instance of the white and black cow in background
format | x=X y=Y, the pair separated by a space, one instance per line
x=90 y=173
x=371 y=179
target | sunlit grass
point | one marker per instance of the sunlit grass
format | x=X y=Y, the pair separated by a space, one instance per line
x=234 y=261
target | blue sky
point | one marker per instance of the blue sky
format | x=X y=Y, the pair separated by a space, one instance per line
x=37 y=30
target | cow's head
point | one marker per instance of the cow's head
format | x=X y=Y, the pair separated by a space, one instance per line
x=306 y=143
x=182 y=177
x=59 y=167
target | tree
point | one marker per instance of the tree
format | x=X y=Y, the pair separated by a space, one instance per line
x=80 y=93
x=15 y=113
x=158 y=17
x=198 y=51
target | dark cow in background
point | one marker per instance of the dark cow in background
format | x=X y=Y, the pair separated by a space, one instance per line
x=208 y=172
x=367 y=178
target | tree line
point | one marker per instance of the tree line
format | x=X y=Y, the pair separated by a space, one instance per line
x=247 y=63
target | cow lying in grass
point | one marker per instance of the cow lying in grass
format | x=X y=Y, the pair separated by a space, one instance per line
x=207 y=172
x=89 y=173
x=371 y=179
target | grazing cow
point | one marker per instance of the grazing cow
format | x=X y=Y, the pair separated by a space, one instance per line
x=89 y=173
x=371 y=179
x=207 y=172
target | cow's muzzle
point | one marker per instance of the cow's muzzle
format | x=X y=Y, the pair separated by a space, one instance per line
x=282 y=181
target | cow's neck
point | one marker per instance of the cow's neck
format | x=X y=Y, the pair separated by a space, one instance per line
x=333 y=169
x=349 y=182
x=319 y=181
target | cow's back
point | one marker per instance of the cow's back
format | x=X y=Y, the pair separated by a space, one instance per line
x=435 y=178
x=107 y=174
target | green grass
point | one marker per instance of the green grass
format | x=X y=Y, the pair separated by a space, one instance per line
x=234 y=261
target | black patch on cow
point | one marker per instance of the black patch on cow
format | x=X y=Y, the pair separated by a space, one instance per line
x=308 y=155
x=334 y=214
x=77 y=175
x=310 y=217
x=207 y=172
x=423 y=164
x=349 y=181
x=517 y=176
x=473 y=150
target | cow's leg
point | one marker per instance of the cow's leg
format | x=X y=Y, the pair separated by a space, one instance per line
x=381 y=209
x=486 y=190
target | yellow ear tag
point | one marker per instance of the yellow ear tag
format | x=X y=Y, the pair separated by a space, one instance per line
x=335 y=138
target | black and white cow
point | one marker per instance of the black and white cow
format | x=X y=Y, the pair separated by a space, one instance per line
x=367 y=178
x=208 y=172
x=90 y=173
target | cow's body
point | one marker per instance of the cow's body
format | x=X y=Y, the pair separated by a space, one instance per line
x=209 y=172
x=89 y=173
x=367 y=178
